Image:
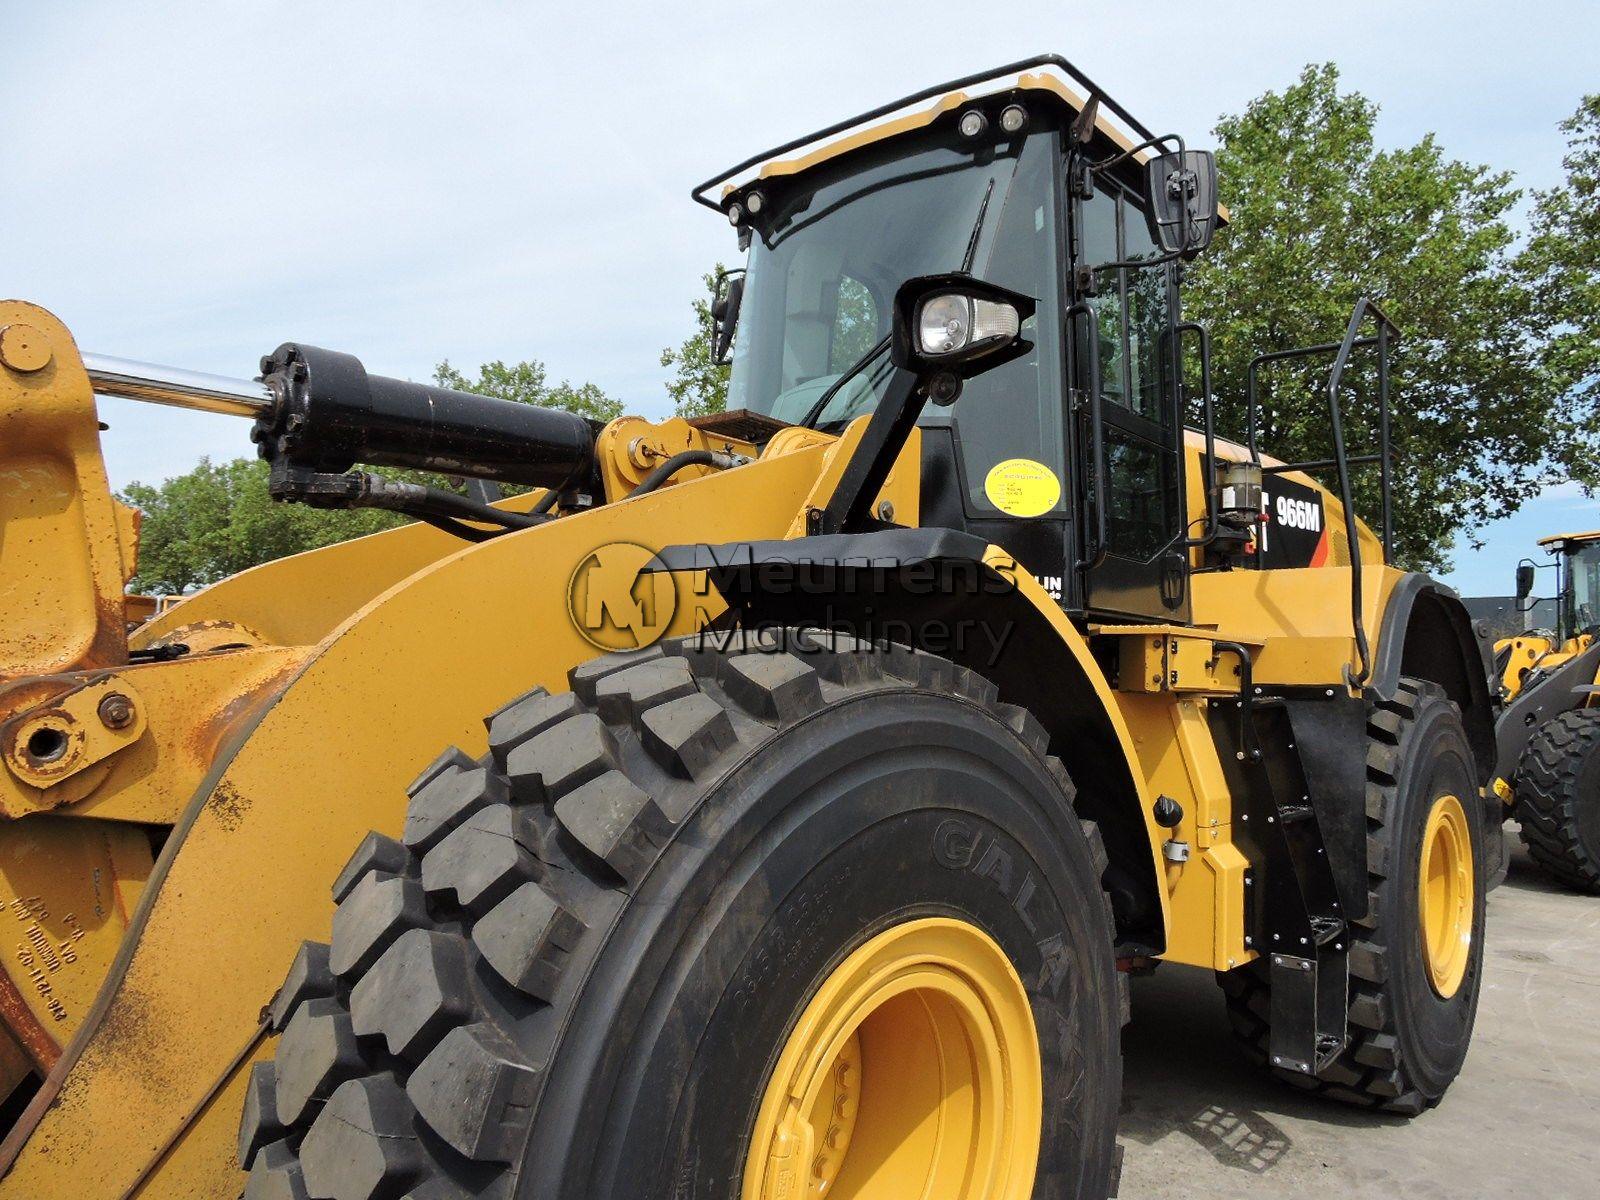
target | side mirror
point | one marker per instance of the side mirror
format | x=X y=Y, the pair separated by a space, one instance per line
x=1183 y=201
x=1524 y=580
x=957 y=326
x=725 y=314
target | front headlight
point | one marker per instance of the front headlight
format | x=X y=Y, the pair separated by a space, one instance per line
x=951 y=322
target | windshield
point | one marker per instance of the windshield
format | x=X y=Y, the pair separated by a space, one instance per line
x=1583 y=590
x=823 y=274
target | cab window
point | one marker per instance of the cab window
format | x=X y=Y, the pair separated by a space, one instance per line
x=1134 y=305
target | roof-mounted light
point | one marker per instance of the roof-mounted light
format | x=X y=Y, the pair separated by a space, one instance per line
x=973 y=124
x=1013 y=118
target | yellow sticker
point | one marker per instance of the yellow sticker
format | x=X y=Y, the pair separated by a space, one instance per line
x=1504 y=791
x=1021 y=487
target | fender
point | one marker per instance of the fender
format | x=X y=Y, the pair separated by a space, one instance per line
x=954 y=595
x=1427 y=634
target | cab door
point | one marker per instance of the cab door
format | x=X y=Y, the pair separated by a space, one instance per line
x=1139 y=571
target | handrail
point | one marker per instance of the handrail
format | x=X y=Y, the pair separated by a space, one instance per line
x=1364 y=306
x=1027 y=64
x=1317 y=464
x=1213 y=509
x=1341 y=351
x=1253 y=371
x=1097 y=436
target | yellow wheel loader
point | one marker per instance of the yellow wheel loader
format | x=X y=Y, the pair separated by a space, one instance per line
x=769 y=804
x=1547 y=768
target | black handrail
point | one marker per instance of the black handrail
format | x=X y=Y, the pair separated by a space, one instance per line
x=1364 y=306
x=1213 y=509
x=1040 y=60
x=1341 y=351
x=1318 y=464
x=1097 y=436
x=1252 y=374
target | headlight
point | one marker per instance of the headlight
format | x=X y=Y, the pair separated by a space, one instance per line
x=951 y=322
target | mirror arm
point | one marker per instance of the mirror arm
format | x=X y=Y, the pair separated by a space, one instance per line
x=1106 y=164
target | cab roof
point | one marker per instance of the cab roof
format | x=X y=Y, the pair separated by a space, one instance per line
x=1048 y=75
x=1562 y=540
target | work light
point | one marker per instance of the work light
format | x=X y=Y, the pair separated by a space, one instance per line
x=951 y=322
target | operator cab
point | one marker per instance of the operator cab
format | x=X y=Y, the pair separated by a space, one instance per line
x=1577 y=563
x=1016 y=180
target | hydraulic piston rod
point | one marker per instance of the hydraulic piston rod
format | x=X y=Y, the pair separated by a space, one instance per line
x=177 y=387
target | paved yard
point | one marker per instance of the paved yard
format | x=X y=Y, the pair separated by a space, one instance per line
x=1522 y=1120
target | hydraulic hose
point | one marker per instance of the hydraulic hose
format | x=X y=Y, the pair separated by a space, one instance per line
x=666 y=469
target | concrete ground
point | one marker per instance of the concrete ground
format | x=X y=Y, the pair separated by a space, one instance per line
x=1523 y=1119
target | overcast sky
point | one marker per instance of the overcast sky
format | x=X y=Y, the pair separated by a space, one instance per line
x=195 y=183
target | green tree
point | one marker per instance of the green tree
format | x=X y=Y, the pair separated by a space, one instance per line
x=699 y=385
x=525 y=382
x=1321 y=217
x=1563 y=260
x=219 y=519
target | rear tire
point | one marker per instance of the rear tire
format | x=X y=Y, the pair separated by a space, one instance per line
x=1407 y=1040
x=1558 y=799
x=576 y=969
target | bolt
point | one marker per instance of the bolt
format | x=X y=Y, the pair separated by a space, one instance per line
x=23 y=348
x=116 y=711
x=886 y=511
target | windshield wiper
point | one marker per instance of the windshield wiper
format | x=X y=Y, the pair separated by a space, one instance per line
x=821 y=406
x=977 y=226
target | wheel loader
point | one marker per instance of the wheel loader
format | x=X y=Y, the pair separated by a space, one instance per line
x=767 y=804
x=1547 y=759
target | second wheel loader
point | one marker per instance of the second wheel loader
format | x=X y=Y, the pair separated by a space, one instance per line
x=770 y=804
x=1547 y=768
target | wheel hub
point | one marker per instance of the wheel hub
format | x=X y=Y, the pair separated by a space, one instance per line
x=914 y=1072
x=1445 y=901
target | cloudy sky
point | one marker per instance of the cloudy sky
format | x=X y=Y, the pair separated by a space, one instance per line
x=195 y=183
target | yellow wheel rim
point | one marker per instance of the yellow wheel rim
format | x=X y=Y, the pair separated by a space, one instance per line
x=913 y=1074
x=1446 y=895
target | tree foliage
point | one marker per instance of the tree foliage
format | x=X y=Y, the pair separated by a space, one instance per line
x=219 y=519
x=526 y=383
x=1563 y=261
x=1321 y=217
x=699 y=385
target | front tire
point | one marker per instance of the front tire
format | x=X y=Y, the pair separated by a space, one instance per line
x=1416 y=959
x=1558 y=799
x=580 y=970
